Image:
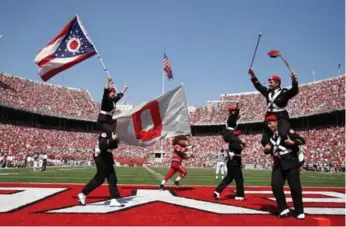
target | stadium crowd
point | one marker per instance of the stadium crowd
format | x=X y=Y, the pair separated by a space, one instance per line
x=324 y=149
x=330 y=93
x=46 y=99
x=67 y=102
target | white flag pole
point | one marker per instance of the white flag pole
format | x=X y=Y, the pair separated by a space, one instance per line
x=163 y=73
x=97 y=52
x=162 y=92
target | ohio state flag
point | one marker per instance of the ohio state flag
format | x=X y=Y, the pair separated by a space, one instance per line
x=70 y=47
x=161 y=118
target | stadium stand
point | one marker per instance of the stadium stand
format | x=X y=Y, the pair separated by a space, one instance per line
x=46 y=99
x=330 y=94
x=324 y=149
x=53 y=100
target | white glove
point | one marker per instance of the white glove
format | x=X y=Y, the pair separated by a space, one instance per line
x=231 y=154
x=97 y=151
x=189 y=153
x=300 y=156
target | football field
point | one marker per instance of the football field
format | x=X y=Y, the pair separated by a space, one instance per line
x=49 y=198
x=153 y=176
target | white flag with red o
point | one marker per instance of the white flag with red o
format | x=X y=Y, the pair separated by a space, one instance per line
x=161 y=118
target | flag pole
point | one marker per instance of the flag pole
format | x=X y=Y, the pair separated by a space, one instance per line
x=97 y=52
x=163 y=75
x=162 y=92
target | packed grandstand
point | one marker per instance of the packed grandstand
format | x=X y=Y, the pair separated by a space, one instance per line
x=23 y=137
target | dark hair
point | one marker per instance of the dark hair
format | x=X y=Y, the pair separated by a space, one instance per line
x=176 y=139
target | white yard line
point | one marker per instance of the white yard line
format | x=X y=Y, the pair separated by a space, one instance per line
x=145 y=185
x=60 y=177
x=67 y=169
x=157 y=175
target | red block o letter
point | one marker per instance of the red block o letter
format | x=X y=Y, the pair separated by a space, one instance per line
x=155 y=115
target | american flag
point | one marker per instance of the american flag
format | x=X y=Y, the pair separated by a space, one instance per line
x=167 y=67
x=70 y=47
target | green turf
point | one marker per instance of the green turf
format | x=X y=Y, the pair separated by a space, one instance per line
x=140 y=175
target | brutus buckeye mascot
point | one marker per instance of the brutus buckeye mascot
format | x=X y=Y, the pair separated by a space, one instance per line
x=182 y=149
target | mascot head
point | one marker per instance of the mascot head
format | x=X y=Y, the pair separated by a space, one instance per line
x=181 y=140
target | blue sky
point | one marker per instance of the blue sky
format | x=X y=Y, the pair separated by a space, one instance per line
x=209 y=43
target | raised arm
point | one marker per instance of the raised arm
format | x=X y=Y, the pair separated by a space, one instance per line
x=259 y=87
x=125 y=88
x=293 y=91
x=109 y=80
x=121 y=94
x=106 y=91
